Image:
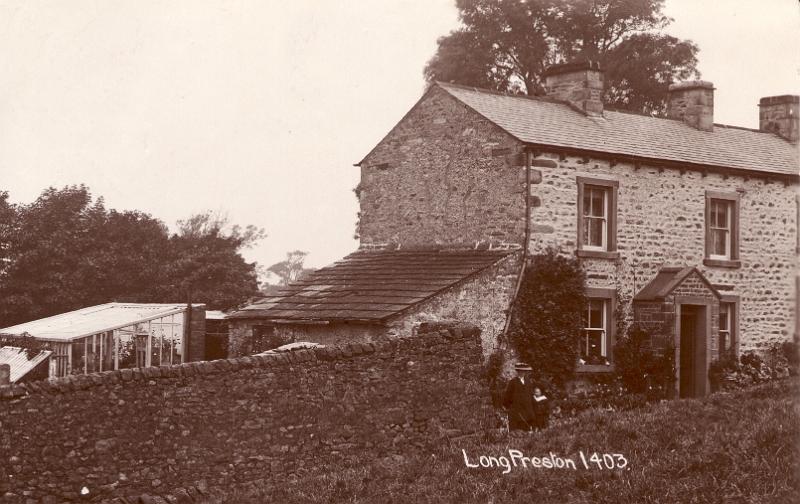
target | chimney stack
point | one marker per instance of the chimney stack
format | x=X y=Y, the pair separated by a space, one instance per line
x=693 y=103
x=780 y=114
x=580 y=84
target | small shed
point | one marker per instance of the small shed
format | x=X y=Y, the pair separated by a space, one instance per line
x=117 y=336
x=372 y=295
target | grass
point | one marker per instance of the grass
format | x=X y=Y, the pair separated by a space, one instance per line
x=730 y=447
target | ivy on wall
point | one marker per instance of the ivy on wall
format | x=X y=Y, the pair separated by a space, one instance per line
x=546 y=318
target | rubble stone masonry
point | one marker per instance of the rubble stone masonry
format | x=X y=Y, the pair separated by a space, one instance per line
x=447 y=177
x=177 y=432
x=443 y=177
x=661 y=221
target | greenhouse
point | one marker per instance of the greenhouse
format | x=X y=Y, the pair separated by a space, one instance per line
x=113 y=336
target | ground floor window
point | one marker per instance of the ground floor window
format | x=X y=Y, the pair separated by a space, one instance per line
x=593 y=343
x=727 y=326
x=597 y=337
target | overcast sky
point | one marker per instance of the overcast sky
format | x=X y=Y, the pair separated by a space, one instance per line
x=259 y=109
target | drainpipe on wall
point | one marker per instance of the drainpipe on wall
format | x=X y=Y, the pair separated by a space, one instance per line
x=504 y=336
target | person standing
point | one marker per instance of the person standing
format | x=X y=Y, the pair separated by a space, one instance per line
x=519 y=400
x=541 y=409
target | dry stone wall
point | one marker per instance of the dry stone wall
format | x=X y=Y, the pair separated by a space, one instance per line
x=203 y=427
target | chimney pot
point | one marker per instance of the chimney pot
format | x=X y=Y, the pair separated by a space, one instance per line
x=693 y=103
x=579 y=83
x=781 y=115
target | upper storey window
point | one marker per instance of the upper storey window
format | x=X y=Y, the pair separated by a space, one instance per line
x=722 y=229
x=597 y=217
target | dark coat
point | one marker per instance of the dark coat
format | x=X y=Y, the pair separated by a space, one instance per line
x=541 y=413
x=518 y=400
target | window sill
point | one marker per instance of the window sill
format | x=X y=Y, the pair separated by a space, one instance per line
x=722 y=263
x=597 y=254
x=594 y=368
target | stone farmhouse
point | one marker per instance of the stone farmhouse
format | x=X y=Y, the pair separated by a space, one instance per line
x=680 y=223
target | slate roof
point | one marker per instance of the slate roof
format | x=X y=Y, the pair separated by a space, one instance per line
x=544 y=121
x=371 y=286
x=666 y=280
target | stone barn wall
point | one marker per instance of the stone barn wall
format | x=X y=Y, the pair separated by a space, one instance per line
x=224 y=425
x=482 y=300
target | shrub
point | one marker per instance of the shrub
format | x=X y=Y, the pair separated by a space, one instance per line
x=642 y=368
x=779 y=360
x=546 y=319
x=720 y=370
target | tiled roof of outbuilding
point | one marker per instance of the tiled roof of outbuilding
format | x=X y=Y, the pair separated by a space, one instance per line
x=548 y=122
x=371 y=286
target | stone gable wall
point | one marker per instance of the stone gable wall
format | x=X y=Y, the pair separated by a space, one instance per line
x=661 y=221
x=443 y=177
x=209 y=427
x=482 y=300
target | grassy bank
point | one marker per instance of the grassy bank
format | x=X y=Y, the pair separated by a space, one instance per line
x=731 y=447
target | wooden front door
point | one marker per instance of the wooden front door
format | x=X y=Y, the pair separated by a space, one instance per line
x=693 y=370
x=688 y=343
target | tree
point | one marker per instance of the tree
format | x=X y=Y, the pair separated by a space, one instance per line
x=205 y=264
x=507 y=45
x=546 y=318
x=66 y=251
x=291 y=269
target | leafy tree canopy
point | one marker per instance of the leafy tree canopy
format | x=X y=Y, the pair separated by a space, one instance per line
x=507 y=44
x=65 y=251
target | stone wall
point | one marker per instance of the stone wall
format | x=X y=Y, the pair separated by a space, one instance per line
x=482 y=300
x=241 y=334
x=661 y=221
x=444 y=176
x=227 y=424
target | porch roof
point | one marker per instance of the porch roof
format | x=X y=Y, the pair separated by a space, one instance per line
x=666 y=280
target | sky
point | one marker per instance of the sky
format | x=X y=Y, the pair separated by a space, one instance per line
x=259 y=109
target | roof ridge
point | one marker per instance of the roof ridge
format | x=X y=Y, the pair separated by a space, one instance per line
x=606 y=108
x=541 y=98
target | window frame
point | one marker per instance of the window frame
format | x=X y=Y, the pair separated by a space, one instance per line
x=610 y=189
x=731 y=260
x=733 y=329
x=609 y=297
x=602 y=328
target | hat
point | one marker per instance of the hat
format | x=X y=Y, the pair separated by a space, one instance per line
x=521 y=366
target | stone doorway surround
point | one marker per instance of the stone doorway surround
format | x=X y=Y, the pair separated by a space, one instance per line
x=659 y=307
